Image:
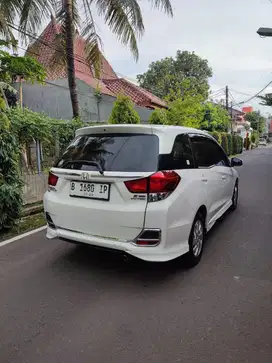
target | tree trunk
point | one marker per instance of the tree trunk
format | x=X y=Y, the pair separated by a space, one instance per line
x=70 y=36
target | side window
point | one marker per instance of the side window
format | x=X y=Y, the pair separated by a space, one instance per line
x=207 y=153
x=181 y=156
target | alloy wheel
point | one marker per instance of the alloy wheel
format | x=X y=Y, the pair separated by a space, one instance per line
x=198 y=237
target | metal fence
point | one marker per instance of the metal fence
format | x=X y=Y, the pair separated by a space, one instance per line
x=35 y=186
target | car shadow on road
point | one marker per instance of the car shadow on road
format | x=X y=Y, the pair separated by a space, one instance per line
x=82 y=261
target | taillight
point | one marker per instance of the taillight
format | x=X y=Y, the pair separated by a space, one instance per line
x=163 y=182
x=137 y=186
x=158 y=186
x=52 y=179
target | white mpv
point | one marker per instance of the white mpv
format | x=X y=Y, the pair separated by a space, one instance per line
x=149 y=191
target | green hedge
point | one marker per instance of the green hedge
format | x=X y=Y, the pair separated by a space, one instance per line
x=232 y=144
x=224 y=142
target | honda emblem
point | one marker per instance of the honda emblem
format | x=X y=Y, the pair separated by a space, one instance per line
x=85 y=176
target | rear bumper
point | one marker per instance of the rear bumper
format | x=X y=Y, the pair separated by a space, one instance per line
x=161 y=253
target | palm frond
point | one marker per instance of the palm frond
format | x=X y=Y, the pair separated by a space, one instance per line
x=32 y=14
x=164 y=5
x=8 y=12
x=6 y=86
x=93 y=45
x=124 y=18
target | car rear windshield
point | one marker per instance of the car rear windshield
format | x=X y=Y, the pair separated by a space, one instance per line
x=112 y=152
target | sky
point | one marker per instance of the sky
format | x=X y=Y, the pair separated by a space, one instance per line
x=223 y=32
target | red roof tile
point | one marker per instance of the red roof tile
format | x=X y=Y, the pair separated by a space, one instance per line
x=138 y=95
x=44 y=48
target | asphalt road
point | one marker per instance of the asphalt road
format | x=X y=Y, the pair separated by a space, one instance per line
x=64 y=303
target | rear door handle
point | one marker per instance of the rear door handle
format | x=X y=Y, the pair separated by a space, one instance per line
x=224 y=177
x=204 y=180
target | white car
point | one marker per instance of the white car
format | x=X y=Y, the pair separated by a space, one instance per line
x=262 y=142
x=149 y=191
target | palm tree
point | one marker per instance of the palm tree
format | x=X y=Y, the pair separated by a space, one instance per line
x=123 y=17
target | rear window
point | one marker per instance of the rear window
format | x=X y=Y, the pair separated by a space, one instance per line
x=113 y=152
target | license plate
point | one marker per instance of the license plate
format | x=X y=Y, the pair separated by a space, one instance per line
x=90 y=190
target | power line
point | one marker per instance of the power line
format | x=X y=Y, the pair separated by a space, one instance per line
x=241 y=93
x=234 y=102
x=217 y=91
x=256 y=95
x=78 y=58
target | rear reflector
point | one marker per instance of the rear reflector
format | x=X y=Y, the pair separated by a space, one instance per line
x=162 y=182
x=52 y=179
x=150 y=237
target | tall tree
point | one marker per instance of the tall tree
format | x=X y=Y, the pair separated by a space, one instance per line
x=266 y=100
x=216 y=118
x=257 y=121
x=167 y=76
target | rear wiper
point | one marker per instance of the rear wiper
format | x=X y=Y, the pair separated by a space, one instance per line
x=87 y=162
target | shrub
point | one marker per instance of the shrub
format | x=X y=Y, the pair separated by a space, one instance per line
x=255 y=138
x=217 y=136
x=235 y=144
x=224 y=142
x=158 y=117
x=11 y=200
x=123 y=112
x=240 y=144
x=247 y=143
x=230 y=148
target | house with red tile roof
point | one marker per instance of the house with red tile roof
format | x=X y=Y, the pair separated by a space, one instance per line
x=45 y=50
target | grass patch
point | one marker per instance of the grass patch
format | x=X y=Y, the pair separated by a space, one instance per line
x=25 y=224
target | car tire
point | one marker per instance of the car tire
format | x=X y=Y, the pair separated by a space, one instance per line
x=196 y=241
x=235 y=197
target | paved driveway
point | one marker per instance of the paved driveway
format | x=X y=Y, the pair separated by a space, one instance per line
x=63 y=303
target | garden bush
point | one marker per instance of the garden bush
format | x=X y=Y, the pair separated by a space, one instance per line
x=230 y=146
x=247 y=143
x=235 y=145
x=217 y=136
x=224 y=142
x=158 y=117
x=123 y=112
x=11 y=200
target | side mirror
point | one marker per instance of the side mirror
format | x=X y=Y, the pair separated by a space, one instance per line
x=236 y=162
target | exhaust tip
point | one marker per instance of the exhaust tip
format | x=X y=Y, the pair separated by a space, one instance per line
x=126 y=258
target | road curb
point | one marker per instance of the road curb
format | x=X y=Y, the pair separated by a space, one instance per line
x=26 y=234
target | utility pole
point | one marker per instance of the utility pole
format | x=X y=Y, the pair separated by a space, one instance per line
x=227 y=98
x=231 y=118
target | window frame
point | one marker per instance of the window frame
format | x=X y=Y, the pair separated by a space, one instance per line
x=211 y=139
x=193 y=165
x=114 y=134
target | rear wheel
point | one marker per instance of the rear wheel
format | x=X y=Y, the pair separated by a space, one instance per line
x=196 y=241
x=235 y=196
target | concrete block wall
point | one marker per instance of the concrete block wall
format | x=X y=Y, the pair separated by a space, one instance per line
x=54 y=100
